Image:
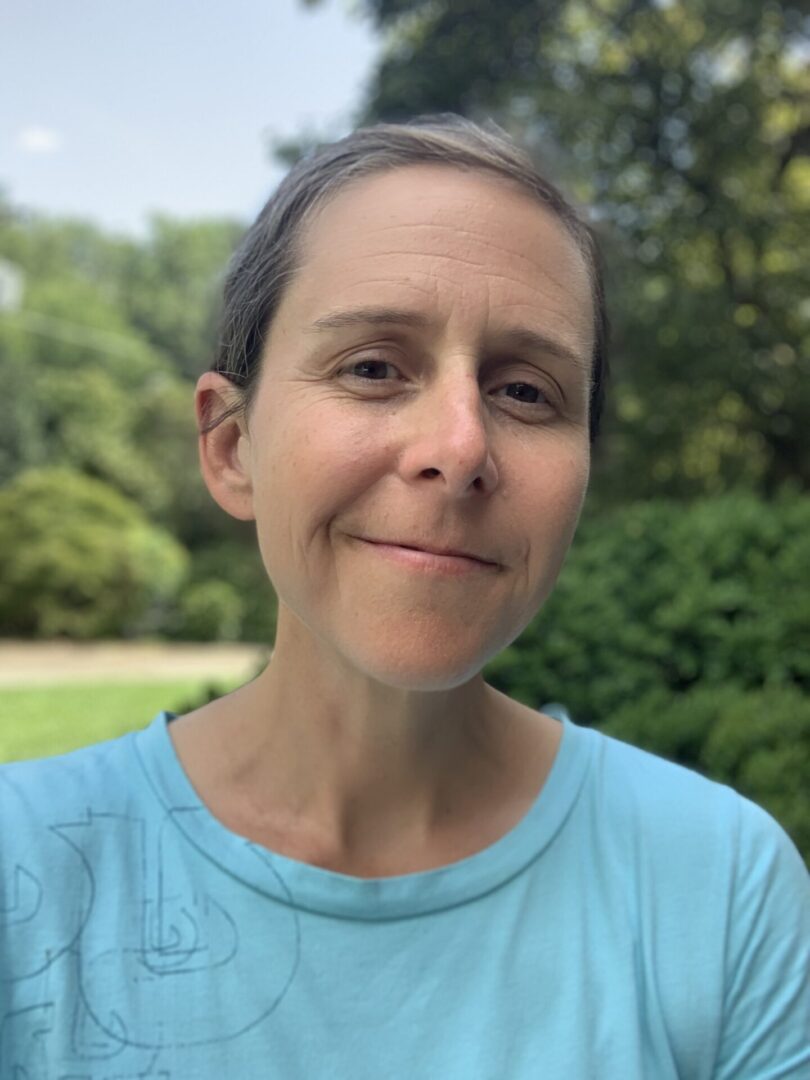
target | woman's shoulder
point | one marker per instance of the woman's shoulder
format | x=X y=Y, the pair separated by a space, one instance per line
x=668 y=812
x=717 y=894
x=685 y=826
x=62 y=788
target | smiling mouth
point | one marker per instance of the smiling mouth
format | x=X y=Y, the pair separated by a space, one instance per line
x=438 y=559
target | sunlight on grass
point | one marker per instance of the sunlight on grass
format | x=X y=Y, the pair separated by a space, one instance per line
x=40 y=721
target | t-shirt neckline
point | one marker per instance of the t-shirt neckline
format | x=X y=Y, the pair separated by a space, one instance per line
x=314 y=888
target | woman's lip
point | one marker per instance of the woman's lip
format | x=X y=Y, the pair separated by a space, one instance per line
x=419 y=559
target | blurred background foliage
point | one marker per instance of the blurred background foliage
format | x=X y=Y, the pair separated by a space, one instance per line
x=682 y=619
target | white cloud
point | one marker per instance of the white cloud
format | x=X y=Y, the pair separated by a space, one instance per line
x=39 y=140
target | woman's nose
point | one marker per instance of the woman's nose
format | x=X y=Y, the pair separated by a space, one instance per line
x=450 y=438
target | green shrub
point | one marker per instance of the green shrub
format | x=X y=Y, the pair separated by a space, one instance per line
x=659 y=597
x=80 y=559
x=239 y=569
x=210 y=611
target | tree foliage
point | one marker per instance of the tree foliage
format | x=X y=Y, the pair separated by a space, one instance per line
x=98 y=364
x=101 y=358
x=81 y=560
x=659 y=598
x=171 y=286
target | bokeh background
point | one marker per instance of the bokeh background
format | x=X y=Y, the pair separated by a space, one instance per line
x=137 y=141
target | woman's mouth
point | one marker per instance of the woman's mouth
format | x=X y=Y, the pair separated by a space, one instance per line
x=431 y=561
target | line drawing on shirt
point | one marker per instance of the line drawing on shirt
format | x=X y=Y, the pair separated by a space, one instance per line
x=91 y=1046
x=23 y=1052
x=48 y=904
x=183 y=937
x=186 y=943
x=26 y=898
x=94 y=953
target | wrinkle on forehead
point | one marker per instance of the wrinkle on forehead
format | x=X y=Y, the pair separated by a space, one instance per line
x=447 y=191
x=434 y=268
x=458 y=242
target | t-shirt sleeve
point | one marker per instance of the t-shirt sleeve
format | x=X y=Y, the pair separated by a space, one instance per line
x=766 y=1015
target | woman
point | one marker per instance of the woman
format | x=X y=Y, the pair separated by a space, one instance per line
x=367 y=862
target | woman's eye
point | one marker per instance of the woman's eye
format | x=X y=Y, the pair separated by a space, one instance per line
x=380 y=371
x=369 y=370
x=527 y=394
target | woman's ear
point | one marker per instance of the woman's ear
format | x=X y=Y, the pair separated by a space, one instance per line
x=224 y=451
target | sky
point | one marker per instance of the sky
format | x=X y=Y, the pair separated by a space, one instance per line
x=111 y=110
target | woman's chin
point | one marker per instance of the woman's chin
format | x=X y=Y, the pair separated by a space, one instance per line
x=403 y=651
x=420 y=668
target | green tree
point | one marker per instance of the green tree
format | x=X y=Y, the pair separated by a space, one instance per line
x=98 y=358
x=170 y=289
x=81 y=560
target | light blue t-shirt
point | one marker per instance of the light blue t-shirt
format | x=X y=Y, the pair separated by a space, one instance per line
x=639 y=923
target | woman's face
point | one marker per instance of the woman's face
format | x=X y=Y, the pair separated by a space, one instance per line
x=425 y=383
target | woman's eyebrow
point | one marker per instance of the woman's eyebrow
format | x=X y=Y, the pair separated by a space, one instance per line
x=535 y=341
x=374 y=316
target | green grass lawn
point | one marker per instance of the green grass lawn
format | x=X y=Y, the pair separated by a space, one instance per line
x=40 y=721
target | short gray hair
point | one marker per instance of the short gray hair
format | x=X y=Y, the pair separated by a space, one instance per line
x=267 y=258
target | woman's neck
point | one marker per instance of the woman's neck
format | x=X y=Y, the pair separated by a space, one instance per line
x=319 y=762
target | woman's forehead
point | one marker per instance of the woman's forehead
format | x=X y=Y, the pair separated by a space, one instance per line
x=432 y=207
x=426 y=235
